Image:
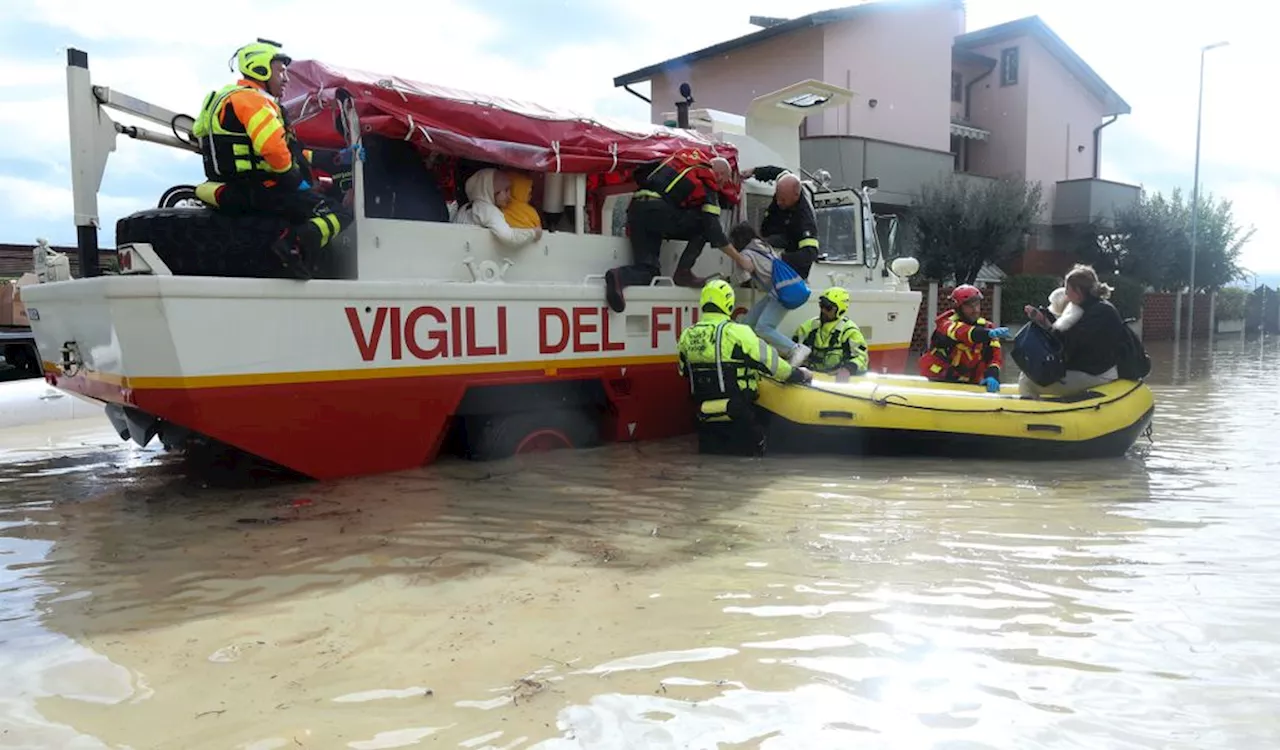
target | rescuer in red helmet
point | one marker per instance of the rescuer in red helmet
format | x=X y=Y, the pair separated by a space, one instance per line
x=965 y=347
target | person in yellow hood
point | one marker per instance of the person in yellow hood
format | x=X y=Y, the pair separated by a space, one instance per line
x=520 y=213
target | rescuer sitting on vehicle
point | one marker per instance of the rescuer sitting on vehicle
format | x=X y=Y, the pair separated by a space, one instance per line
x=680 y=198
x=789 y=222
x=965 y=347
x=253 y=163
x=723 y=361
x=836 y=344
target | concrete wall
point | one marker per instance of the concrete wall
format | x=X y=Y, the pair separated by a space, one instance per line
x=1061 y=117
x=1002 y=110
x=899 y=56
x=729 y=82
x=1078 y=201
x=900 y=169
x=969 y=72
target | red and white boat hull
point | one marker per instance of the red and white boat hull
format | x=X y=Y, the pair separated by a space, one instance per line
x=341 y=378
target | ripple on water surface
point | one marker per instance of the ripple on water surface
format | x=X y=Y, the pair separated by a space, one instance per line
x=643 y=596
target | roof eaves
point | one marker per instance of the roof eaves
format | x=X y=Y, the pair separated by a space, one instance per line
x=969 y=56
x=1113 y=103
x=811 y=20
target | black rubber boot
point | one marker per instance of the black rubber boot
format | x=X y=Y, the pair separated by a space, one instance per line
x=613 y=291
x=286 y=249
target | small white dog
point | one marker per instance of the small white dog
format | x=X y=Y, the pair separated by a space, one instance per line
x=1067 y=312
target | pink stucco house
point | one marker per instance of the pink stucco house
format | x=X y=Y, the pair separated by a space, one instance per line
x=930 y=98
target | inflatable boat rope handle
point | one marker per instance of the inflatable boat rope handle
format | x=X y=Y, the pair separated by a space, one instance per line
x=885 y=401
x=997 y=410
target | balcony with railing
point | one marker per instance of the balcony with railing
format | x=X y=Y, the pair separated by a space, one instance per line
x=901 y=169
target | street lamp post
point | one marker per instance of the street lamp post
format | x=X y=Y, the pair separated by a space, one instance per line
x=1195 y=198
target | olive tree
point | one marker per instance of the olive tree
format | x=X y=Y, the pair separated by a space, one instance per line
x=959 y=224
x=1151 y=242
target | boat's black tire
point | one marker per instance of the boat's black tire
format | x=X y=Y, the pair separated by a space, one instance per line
x=180 y=196
x=204 y=242
x=495 y=436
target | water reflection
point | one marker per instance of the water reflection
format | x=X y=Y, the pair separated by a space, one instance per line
x=641 y=596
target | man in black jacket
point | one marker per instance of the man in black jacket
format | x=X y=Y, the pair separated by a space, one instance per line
x=789 y=222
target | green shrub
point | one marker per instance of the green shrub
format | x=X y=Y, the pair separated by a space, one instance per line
x=1126 y=295
x=1019 y=291
x=1230 y=303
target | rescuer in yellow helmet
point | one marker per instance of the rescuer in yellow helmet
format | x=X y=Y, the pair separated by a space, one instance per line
x=723 y=361
x=253 y=163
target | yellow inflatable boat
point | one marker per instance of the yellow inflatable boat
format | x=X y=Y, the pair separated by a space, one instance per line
x=896 y=414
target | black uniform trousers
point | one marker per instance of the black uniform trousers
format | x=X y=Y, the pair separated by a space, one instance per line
x=742 y=435
x=315 y=219
x=650 y=221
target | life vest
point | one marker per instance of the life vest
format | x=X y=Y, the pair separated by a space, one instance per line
x=685 y=179
x=839 y=344
x=723 y=361
x=956 y=355
x=229 y=152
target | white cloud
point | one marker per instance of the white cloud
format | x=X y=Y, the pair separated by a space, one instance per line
x=32 y=199
x=1253 y=203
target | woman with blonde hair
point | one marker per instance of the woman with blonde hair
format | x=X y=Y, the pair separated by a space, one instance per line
x=1093 y=339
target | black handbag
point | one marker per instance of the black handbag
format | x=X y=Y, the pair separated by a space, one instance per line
x=1039 y=355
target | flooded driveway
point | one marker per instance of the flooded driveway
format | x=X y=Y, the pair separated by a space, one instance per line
x=641 y=596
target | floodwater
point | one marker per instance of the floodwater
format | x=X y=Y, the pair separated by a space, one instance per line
x=645 y=597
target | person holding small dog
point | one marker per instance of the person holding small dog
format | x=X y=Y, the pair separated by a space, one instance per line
x=1089 y=328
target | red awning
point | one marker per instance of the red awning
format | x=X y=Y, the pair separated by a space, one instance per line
x=475 y=126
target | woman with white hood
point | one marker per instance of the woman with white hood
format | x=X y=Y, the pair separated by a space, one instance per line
x=489 y=191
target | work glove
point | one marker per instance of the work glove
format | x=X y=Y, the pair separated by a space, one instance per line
x=345 y=155
x=1000 y=333
x=993 y=385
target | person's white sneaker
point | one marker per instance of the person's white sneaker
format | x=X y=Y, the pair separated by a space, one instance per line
x=798 y=355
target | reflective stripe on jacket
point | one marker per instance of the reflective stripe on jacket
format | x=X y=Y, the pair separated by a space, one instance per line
x=835 y=345
x=724 y=359
x=962 y=352
x=242 y=135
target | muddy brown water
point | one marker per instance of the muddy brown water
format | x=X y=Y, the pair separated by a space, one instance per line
x=641 y=596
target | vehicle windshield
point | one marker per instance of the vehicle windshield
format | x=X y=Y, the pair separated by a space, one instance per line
x=838 y=232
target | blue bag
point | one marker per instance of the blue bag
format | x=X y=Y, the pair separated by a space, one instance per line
x=791 y=290
x=1039 y=355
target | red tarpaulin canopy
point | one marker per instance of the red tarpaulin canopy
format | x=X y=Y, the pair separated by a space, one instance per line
x=475 y=126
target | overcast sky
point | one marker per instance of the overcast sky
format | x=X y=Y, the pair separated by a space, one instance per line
x=567 y=52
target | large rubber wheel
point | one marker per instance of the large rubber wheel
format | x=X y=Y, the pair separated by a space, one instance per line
x=204 y=242
x=493 y=437
x=180 y=196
